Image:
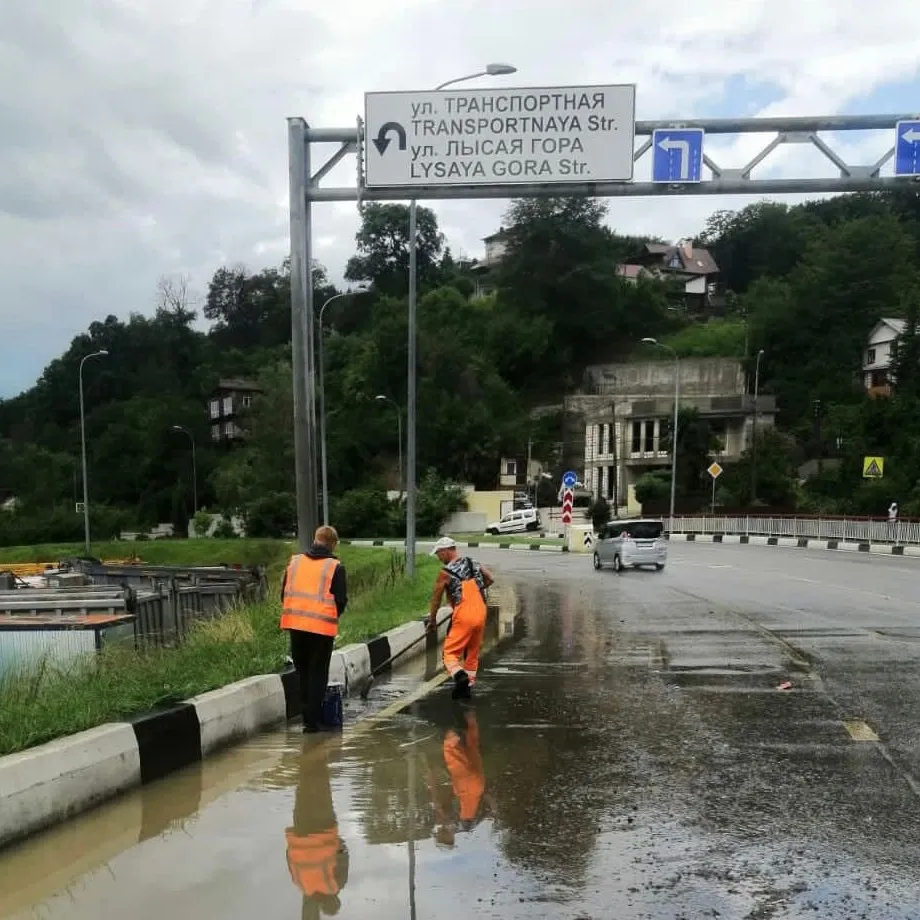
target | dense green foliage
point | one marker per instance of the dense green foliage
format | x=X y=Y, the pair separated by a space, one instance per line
x=805 y=284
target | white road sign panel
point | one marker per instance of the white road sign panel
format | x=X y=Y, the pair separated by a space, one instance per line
x=572 y=134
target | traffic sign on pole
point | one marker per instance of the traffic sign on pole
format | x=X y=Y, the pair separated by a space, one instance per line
x=907 y=148
x=677 y=155
x=569 y=478
x=714 y=470
x=463 y=137
x=568 y=499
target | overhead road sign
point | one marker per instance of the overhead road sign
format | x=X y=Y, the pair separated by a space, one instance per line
x=907 y=148
x=873 y=467
x=677 y=155
x=548 y=134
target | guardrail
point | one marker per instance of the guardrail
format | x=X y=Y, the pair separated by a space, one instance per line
x=854 y=530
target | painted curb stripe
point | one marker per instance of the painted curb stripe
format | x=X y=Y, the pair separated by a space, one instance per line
x=167 y=740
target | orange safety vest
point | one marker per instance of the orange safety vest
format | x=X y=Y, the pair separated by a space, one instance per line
x=308 y=603
x=312 y=860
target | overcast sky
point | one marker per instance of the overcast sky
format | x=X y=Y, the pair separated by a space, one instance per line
x=147 y=137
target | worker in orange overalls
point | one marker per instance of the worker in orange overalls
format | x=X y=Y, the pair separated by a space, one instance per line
x=317 y=857
x=314 y=595
x=465 y=582
x=464 y=764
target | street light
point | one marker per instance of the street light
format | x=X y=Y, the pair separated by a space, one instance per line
x=492 y=70
x=657 y=344
x=322 y=397
x=754 y=441
x=382 y=398
x=191 y=438
x=96 y=354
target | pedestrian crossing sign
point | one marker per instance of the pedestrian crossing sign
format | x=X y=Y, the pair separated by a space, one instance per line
x=873 y=467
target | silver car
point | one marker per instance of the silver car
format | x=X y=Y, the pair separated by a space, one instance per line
x=634 y=542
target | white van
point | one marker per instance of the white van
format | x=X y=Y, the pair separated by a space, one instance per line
x=635 y=542
x=519 y=521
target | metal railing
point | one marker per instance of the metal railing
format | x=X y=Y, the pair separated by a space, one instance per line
x=844 y=529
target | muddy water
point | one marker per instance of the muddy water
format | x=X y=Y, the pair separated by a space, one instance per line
x=609 y=767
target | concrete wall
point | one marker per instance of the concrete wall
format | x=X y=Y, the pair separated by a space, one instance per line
x=638 y=379
x=465 y=522
x=488 y=503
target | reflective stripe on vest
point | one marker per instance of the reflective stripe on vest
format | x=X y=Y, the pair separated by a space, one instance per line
x=309 y=605
x=312 y=861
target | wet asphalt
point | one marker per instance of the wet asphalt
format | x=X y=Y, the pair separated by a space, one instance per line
x=628 y=755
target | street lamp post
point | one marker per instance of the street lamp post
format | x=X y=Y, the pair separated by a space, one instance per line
x=382 y=398
x=191 y=438
x=657 y=344
x=754 y=429
x=96 y=354
x=322 y=401
x=492 y=70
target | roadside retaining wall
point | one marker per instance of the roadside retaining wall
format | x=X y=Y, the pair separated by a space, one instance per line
x=842 y=546
x=55 y=781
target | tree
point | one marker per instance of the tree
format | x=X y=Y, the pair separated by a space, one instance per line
x=383 y=248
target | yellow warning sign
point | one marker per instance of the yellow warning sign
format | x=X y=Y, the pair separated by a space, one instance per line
x=715 y=471
x=873 y=467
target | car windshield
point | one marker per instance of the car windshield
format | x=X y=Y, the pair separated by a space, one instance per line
x=644 y=530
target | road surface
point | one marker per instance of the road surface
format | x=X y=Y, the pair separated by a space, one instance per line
x=629 y=755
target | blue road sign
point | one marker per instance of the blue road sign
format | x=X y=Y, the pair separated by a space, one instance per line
x=569 y=479
x=677 y=155
x=907 y=148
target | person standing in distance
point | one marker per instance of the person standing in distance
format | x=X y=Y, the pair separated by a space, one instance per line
x=465 y=582
x=314 y=595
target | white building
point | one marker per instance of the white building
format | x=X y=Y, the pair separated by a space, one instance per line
x=879 y=355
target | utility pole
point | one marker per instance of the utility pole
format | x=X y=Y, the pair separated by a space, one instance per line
x=754 y=430
x=96 y=354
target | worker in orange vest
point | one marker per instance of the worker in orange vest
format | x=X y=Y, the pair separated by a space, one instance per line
x=314 y=595
x=317 y=857
x=465 y=582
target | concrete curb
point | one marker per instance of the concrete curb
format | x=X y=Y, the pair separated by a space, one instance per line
x=473 y=544
x=840 y=546
x=55 y=781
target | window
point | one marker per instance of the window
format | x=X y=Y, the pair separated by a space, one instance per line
x=649 y=437
x=215 y=432
x=229 y=429
x=605 y=439
x=247 y=402
x=511 y=467
x=646 y=530
x=215 y=408
x=228 y=405
x=870 y=356
x=636 y=437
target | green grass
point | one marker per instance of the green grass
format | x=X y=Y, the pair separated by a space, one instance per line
x=44 y=703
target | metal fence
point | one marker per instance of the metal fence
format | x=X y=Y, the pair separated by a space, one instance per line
x=847 y=529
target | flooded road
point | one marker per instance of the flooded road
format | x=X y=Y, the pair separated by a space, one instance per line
x=628 y=755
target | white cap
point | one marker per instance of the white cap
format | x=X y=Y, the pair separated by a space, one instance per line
x=443 y=543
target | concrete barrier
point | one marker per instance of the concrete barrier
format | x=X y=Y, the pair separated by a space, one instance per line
x=55 y=781
x=238 y=711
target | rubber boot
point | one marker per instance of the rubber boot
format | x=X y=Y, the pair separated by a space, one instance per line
x=461 y=689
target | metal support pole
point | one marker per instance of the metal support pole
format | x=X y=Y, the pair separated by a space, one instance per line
x=411 y=395
x=194 y=475
x=754 y=430
x=86 y=540
x=402 y=484
x=83 y=451
x=302 y=332
x=411 y=780
x=674 y=438
x=324 y=473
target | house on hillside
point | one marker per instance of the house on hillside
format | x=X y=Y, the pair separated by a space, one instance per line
x=8 y=501
x=484 y=270
x=225 y=406
x=878 y=356
x=693 y=266
x=624 y=412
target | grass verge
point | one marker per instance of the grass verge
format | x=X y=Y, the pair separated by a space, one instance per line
x=44 y=703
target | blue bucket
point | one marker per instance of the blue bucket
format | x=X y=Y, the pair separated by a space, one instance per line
x=332 y=706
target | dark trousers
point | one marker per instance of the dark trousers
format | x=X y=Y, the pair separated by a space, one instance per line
x=311 y=654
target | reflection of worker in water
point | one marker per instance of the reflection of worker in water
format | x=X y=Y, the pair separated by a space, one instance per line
x=468 y=782
x=317 y=857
